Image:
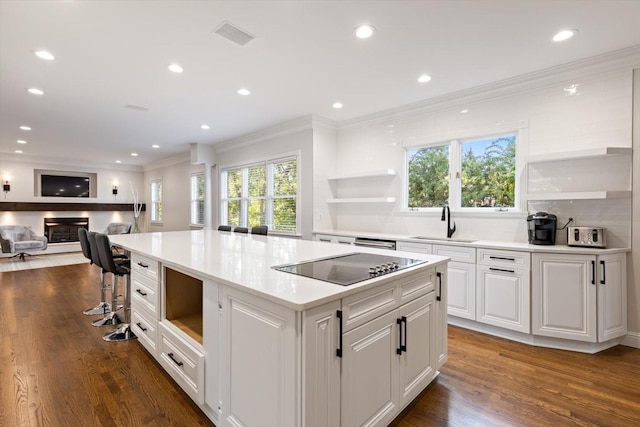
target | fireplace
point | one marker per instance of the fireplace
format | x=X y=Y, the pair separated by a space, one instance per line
x=59 y=230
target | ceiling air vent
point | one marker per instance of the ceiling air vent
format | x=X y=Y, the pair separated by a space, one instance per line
x=136 y=107
x=233 y=33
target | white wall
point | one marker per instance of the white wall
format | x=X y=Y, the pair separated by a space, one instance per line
x=22 y=182
x=546 y=120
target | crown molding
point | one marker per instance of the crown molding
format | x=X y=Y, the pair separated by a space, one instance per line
x=63 y=162
x=168 y=161
x=627 y=59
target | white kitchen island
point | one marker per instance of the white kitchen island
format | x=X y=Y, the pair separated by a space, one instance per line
x=253 y=346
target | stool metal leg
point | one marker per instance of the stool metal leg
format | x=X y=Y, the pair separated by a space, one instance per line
x=103 y=307
x=124 y=332
x=113 y=318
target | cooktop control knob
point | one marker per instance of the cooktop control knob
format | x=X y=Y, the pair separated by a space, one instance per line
x=372 y=270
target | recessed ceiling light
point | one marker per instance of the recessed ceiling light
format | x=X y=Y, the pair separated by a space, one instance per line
x=424 y=78
x=43 y=54
x=465 y=111
x=244 y=91
x=25 y=128
x=205 y=127
x=564 y=35
x=21 y=141
x=175 y=68
x=134 y=154
x=155 y=146
x=18 y=151
x=35 y=91
x=572 y=90
x=337 y=105
x=118 y=161
x=364 y=31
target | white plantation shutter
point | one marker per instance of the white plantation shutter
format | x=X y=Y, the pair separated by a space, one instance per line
x=197 y=199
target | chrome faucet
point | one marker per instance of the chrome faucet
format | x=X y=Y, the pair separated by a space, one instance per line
x=447 y=211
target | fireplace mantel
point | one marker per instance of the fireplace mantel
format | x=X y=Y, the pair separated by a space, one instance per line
x=53 y=206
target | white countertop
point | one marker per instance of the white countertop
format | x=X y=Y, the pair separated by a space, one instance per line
x=245 y=261
x=488 y=244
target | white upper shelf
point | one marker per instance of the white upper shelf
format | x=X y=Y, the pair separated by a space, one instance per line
x=580 y=154
x=363 y=200
x=368 y=174
x=580 y=195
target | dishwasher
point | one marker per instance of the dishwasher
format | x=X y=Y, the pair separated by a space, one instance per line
x=375 y=243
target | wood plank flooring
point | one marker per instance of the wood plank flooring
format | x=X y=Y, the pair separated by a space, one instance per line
x=55 y=370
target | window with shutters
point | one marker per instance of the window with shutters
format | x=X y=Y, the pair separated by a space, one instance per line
x=156 y=200
x=264 y=193
x=197 y=199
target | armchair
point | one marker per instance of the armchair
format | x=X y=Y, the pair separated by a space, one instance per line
x=20 y=239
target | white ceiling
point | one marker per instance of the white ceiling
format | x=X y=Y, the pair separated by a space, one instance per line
x=304 y=58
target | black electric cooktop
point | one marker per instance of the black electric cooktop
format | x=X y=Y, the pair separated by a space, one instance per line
x=351 y=268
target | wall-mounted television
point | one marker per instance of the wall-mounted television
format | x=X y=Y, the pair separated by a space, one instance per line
x=64 y=186
x=49 y=183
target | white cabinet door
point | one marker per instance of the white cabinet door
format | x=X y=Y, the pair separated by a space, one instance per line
x=612 y=296
x=370 y=392
x=211 y=314
x=441 y=334
x=422 y=248
x=418 y=351
x=503 y=297
x=462 y=290
x=564 y=296
x=259 y=351
x=321 y=366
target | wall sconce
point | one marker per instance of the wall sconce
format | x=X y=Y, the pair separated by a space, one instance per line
x=6 y=187
x=115 y=188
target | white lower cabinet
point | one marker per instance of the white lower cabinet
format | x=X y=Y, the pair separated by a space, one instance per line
x=503 y=289
x=387 y=362
x=259 y=377
x=579 y=297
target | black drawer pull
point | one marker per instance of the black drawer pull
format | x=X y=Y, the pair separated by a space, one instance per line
x=174 y=360
x=143 y=265
x=141 y=327
x=503 y=258
x=501 y=269
x=603 y=281
x=593 y=272
x=144 y=294
x=399 y=349
x=339 y=349
x=439 y=296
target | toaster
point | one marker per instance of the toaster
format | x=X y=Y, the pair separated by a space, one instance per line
x=586 y=236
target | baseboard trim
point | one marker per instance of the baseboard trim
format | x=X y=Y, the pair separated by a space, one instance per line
x=632 y=339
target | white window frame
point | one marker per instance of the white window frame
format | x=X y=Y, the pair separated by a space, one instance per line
x=270 y=197
x=156 y=199
x=196 y=198
x=455 y=169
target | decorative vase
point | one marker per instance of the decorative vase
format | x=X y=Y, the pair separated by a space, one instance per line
x=136 y=228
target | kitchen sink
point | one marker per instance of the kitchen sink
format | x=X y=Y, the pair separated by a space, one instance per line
x=444 y=239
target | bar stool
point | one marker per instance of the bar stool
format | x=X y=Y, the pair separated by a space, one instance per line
x=112 y=317
x=244 y=230
x=260 y=229
x=103 y=307
x=124 y=332
x=224 y=228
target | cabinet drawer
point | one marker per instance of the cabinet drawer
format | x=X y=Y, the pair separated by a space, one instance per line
x=456 y=253
x=146 y=329
x=144 y=296
x=422 y=248
x=183 y=362
x=360 y=308
x=417 y=284
x=145 y=266
x=511 y=259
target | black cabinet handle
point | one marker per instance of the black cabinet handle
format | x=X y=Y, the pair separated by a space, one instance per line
x=593 y=272
x=501 y=269
x=143 y=265
x=439 y=296
x=177 y=362
x=404 y=321
x=144 y=294
x=339 y=349
x=141 y=327
x=502 y=258
x=399 y=349
x=604 y=273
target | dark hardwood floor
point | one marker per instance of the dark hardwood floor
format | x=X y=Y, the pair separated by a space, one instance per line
x=55 y=370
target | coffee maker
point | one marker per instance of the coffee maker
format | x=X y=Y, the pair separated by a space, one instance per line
x=542 y=228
